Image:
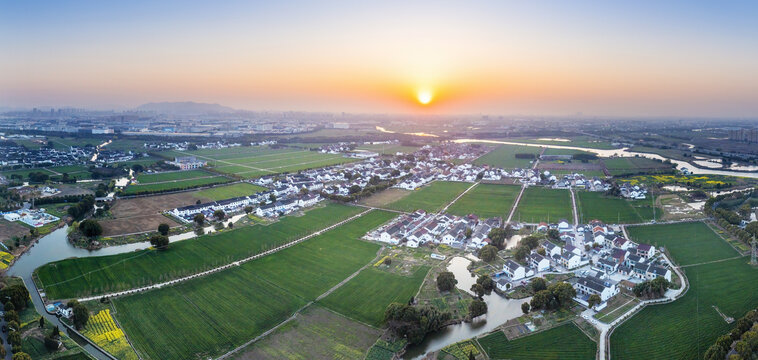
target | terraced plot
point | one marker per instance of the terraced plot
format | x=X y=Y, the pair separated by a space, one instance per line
x=96 y=275
x=211 y=315
x=613 y=210
x=430 y=198
x=562 y=342
x=543 y=204
x=504 y=156
x=486 y=200
x=366 y=296
x=686 y=327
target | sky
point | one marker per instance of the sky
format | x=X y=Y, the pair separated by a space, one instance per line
x=615 y=58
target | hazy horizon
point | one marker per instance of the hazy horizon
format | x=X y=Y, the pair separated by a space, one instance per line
x=551 y=58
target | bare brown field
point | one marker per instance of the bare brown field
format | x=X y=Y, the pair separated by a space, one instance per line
x=134 y=224
x=385 y=197
x=143 y=214
x=10 y=229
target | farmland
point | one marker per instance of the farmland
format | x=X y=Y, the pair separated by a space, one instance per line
x=562 y=342
x=174 y=180
x=251 y=162
x=228 y=192
x=92 y=275
x=367 y=295
x=699 y=245
x=316 y=333
x=238 y=304
x=634 y=165
x=504 y=156
x=430 y=198
x=390 y=149
x=147 y=178
x=543 y=204
x=486 y=200
x=613 y=210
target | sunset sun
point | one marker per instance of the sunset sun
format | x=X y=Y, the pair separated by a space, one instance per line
x=424 y=97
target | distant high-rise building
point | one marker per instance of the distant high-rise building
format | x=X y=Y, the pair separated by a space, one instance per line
x=746 y=135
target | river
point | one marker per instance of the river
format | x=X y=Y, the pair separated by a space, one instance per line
x=499 y=310
x=624 y=152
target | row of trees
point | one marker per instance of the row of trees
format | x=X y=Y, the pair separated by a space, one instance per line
x=745 y=333
x=82 y=207
x=16 y=298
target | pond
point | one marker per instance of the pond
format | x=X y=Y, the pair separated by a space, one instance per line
x=499 y=310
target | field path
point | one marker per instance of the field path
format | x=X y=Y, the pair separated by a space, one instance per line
x=458 y=197
x=225 y=162
x=714 y=261
x=573 y=205
x=379 y=208
x=515 y=204
x=226 y=266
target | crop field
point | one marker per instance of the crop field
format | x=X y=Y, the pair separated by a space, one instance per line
x=634 y=165
x=228 y=192
x=562 y=342
x=105 y=333
x=486 y=200
x=251 y=162
x=431 y=197
x=504 y=156
x=73 y=171
x=391 y=149
x=211 y=315
x=146 y=178
x=543 y=204
x=180 y=183
x=316 y=333
x=685 y=328
x=613 y=210
x=688 y=243
x=94 y=275
x=366 y=296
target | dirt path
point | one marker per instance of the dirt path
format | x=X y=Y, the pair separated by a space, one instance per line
x=573 y=205
x=458 y=197
x=515 y=204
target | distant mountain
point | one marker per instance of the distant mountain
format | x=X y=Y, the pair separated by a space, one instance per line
x=186 y=107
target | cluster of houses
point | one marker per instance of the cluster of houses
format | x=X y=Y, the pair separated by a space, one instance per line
x=450 y=151
x=420 y=228
x=635 y=192
x=17 y=156
x=31 y=217
x=270 y=203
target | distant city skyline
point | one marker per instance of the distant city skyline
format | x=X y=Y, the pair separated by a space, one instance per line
x=690 y=59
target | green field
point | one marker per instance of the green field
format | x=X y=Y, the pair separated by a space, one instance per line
x=562 y=342
x=543 y=204
x=390 y=149
x=316 y=333
x=688 y=243
x=486 y=200
x=366 y=296
x=613 y=210
x=228 y=192
x=431 y=198
x=504 y=156
x=174 y=185
x=250 y=162
x=73 y=171
x=95 y=275
x=211 y=315
x=634 y=165
x=146 y=178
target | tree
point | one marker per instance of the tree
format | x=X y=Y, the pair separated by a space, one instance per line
x=11 y=315
x=538 y=284
x=51 y=344
x=159 y=241
x=219 y=214
x=21 y=356
x=17 y=295
x=471 y=355
x=41 y=322
x=593 y=300
x=413 y=323
x=163 y=229
x=530 y=241
x=90 y=228
x=478 y=290
x=248 y=209
x=488 y=253
x=446 y=281
x=525 y=307
x=497 y=237
x=81 y=315
x=387 y=261
x=486 y=282
x=477 y=308
x=354 y=189
x=14 y=338
x=521 y=252
x=199 y=219
x=469 y=232
x=272 y=197
x=563 y=292
x=541 y=299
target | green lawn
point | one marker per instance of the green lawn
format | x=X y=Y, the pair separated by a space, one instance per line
x=613 y=210
x=688 y=243
x=685 y=328
x=543 y=204
x=211 y=315
x=504 y=156
x=486 y=200
x=366 y=296
x=174 y=185
x=95 y=275
x=431 y=198
x=146 y=178
x=562 y=342
x=228 y=192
